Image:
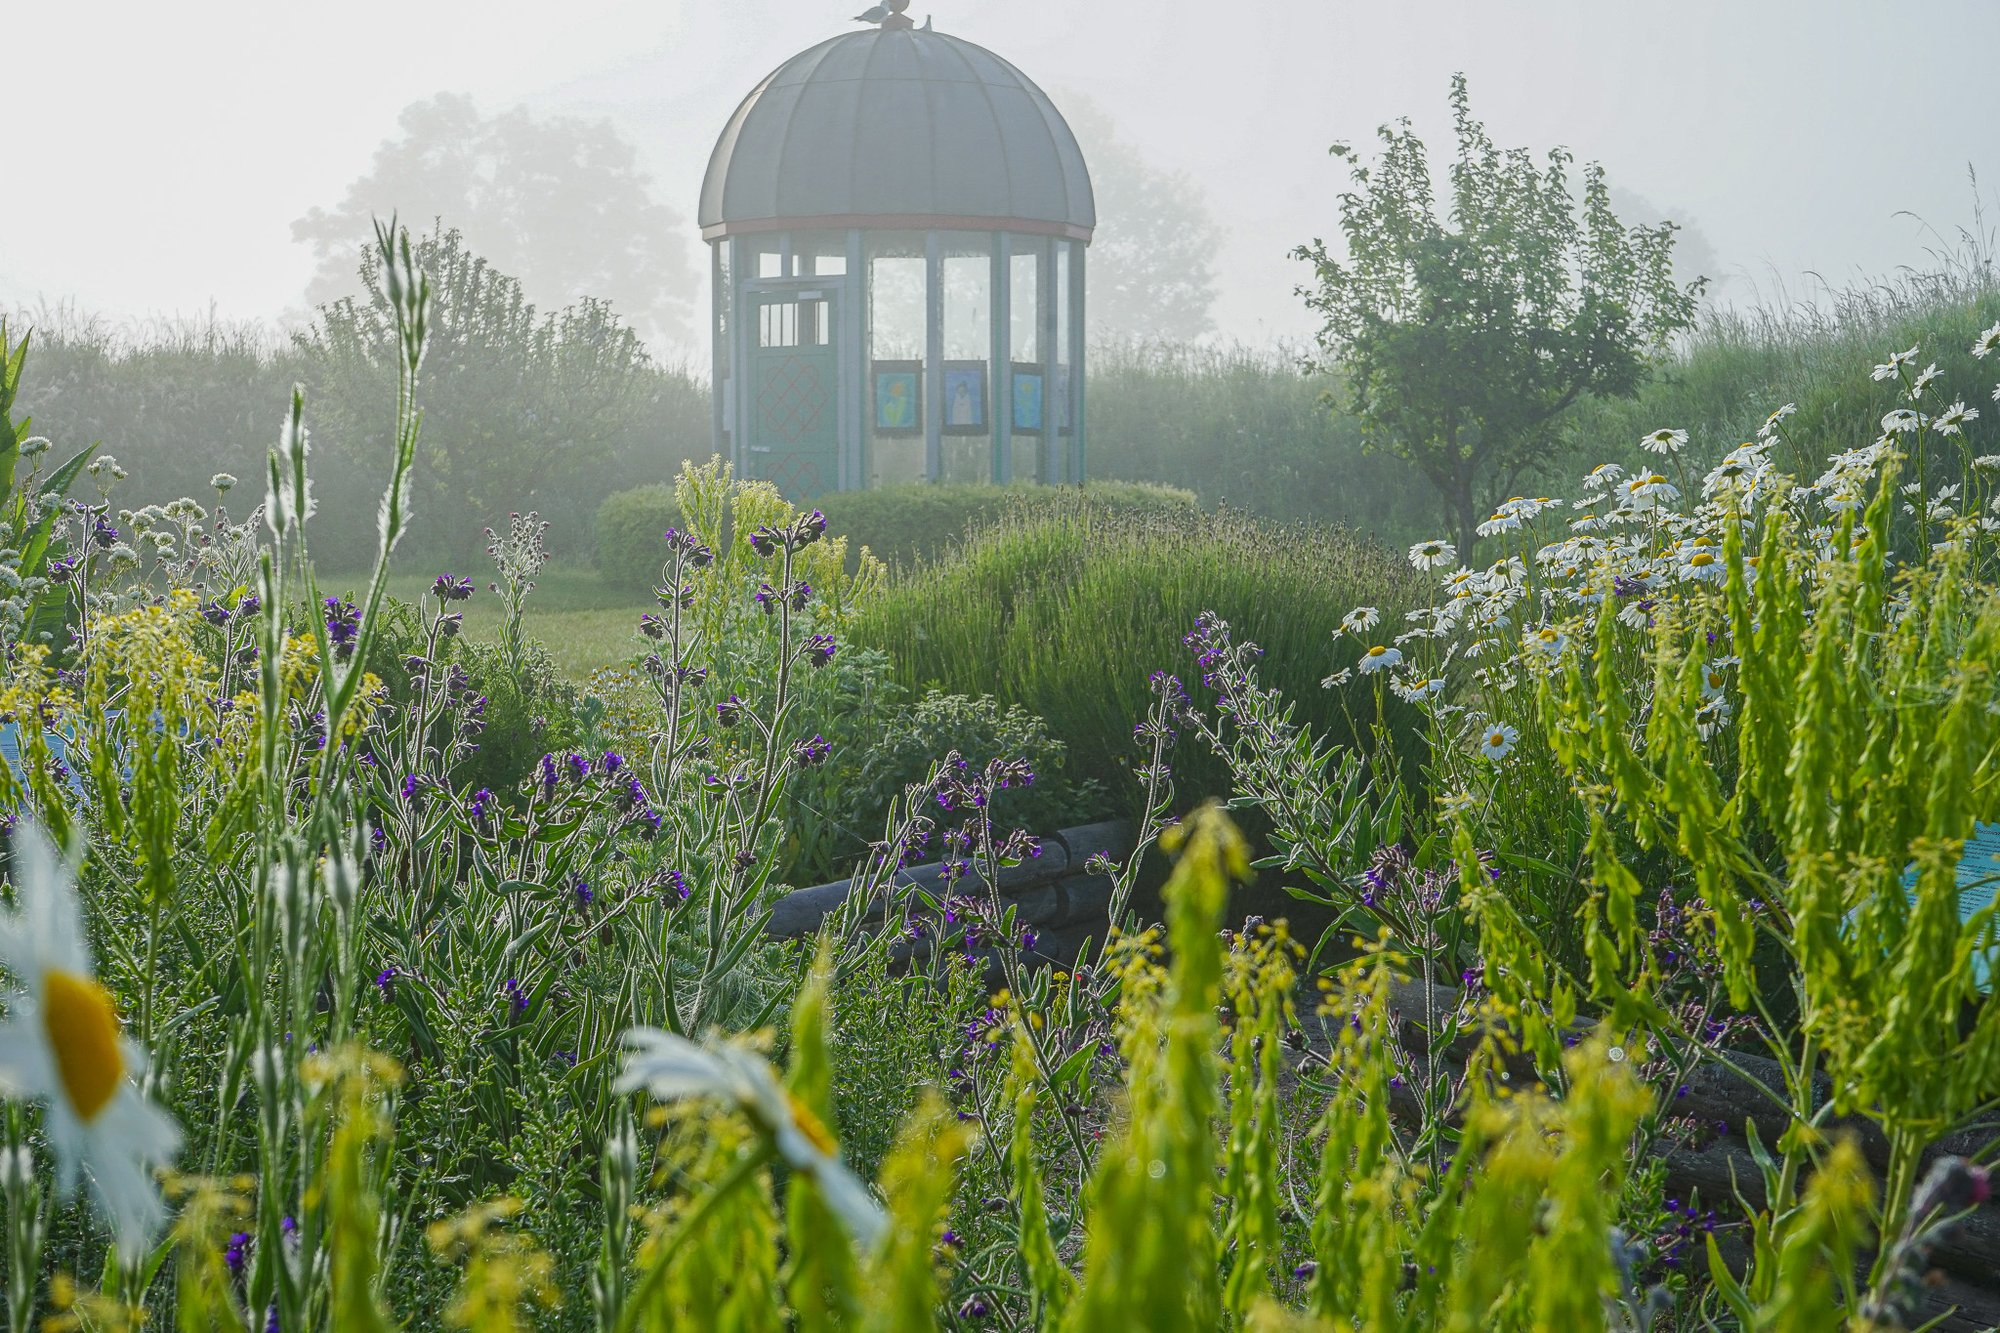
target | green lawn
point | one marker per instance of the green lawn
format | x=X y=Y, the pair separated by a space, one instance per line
x=584 y=624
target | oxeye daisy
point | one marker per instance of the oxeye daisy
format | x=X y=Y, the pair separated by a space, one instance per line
x=1497 y=742
x=672 y=1068
x=1433 y=554
x=1498 y=524
x=1360 y=619
x=1897 y=360
x=1664 y=441
x=1703 y=565
x=62 y=1045
x=1548 y=641
x=1652 y=489
x=1952 y=420
x=1380 y=658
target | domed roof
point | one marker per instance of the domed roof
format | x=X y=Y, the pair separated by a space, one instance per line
x=897 y=127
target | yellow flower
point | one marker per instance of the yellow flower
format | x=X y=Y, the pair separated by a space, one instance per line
x=62 y=1045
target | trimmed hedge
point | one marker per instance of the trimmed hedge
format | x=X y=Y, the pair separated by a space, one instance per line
x=904 y=526
x=630 y=526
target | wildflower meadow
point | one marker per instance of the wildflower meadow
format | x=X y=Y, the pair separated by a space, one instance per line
x=1593 y=934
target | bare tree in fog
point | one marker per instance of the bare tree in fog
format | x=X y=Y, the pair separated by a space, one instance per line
x=558 y=202
x=1152 y=259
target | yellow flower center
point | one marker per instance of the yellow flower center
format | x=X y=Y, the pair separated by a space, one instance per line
x=810 y=1125
x=1701 y=559
x=82 y=1025
x=1377 y=651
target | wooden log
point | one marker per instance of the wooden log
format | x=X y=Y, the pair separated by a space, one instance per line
x=799 y=913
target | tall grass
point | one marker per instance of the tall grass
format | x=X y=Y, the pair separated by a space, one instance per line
x=1815 y=350
x=1247 y=427
x=1067 y=612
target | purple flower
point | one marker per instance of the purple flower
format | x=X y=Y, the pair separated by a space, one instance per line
x=413 y=787
x=764 y=541
x=386 y=978
x=677 y=882
x=216 y=614
x=652 y=626
x=611 y=762
x=730 y=711
x=766 y=598
x=581 y=891
x=343 y=627
x=549 y=775
x=481 y=807
x=812 y=753
x=234 y=1256
x=449 y=588
x=821 y=648
x=249 y=604
x=517 y=999
x=579 y=767
x=801 y=594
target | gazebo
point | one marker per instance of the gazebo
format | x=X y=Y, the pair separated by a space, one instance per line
x=897 y=222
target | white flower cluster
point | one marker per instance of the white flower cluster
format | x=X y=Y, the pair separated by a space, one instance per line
x=1641 y=540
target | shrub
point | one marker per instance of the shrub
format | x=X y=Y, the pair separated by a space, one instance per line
x=1067 y=610
x=916 y=524
x=629 y=524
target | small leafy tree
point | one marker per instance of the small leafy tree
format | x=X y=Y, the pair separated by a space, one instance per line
x=1464 y=337
x=529 y=406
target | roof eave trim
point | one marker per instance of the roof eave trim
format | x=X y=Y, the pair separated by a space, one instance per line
x=897 y=222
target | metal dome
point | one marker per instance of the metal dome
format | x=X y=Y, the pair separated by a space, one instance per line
x=897 y=128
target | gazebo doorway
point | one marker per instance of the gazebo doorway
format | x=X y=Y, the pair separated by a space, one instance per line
x=795 y=384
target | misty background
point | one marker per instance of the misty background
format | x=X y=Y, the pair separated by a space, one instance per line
x=163 y=156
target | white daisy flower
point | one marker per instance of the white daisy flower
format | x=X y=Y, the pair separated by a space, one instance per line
x=1897 y=360
x=1602 y=476
x=1664 y=441
x=1380 y=658
x=1984 y=345
x=1497 y=742
x=1433 y=554
x=1923 y=381
x=1416 y=690
x=1648 y=491
x=1772 y=422
x=1715 y=677
x=1987 y=463
x=1498 y=524
x=1952 y=420
x=672 y=1068
x=62 y=1045
x=1901 y=421
x=1361 y=618
x=1548 y=641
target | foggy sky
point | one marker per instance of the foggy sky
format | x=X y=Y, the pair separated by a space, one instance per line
x=158 y=153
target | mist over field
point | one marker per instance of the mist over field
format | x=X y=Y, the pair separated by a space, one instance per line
x=165 y=153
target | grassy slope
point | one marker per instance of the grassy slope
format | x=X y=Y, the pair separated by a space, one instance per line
x=584 y=623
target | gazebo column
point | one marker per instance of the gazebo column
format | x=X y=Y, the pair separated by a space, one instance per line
x=857 y=378
x=1048 y=355
x=1002 y=353
x=933 y=357
x=739 y=361
x=719 y=328
x=1075 y=473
